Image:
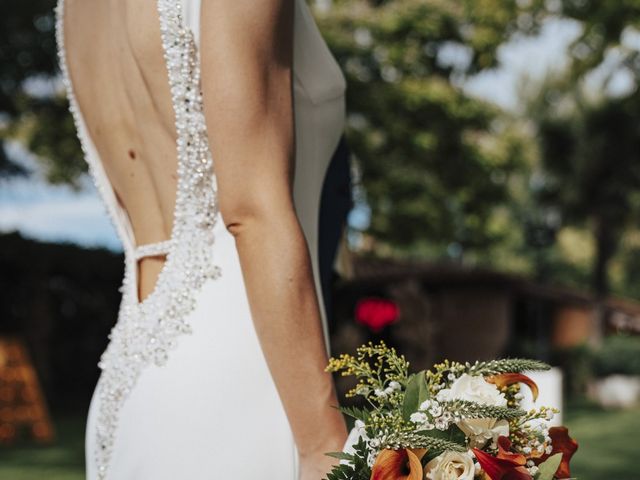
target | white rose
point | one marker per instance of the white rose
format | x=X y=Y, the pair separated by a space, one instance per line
x=450 y=466
x=474 y=389
x=481 y=430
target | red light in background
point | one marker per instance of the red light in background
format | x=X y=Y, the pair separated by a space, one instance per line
x=376 y=313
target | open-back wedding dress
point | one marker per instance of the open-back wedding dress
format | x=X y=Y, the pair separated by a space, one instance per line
x=184 y=391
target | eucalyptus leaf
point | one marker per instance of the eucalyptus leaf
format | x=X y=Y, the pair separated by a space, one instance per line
x=549 y=467
x=417 y=392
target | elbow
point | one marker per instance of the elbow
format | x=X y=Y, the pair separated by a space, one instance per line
x=256 y=211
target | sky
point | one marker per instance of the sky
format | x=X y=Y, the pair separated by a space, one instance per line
x=53 y=213
x=59 y=214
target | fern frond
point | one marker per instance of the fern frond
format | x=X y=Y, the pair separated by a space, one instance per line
x=357 y=413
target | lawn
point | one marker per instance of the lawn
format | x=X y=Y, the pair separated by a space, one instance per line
x=609 y=443
x=62 y=461
x=609 y=448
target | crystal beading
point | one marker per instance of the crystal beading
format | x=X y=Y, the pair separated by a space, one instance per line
x=152 y=249
x=146 y=331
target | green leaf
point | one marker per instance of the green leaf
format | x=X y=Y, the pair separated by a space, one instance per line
x=340 y=455
x=357 y=413
x=417 y=392
x=549 y=467
x=452 y=434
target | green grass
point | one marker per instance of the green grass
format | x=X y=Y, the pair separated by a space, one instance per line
x=64 y=460
x=609 y=442
x=609 y=448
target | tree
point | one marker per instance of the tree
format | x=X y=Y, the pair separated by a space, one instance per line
x=30 y=109
x=590 y=157
x=434 y=163
x=588 y=130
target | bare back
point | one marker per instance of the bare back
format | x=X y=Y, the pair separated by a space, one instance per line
x=115 y=61
x=116 y=64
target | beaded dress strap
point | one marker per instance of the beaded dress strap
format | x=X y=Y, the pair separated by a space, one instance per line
x=156 y=249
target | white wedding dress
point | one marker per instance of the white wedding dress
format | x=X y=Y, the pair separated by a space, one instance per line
x=184 y=391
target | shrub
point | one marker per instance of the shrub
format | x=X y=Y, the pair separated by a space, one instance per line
x=619 y=354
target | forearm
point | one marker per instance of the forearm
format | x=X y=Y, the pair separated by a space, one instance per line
x=279 y=282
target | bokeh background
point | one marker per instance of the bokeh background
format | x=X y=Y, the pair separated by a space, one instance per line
x=496 y=186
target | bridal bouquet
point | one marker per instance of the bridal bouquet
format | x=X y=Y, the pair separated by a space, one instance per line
x=456 y=421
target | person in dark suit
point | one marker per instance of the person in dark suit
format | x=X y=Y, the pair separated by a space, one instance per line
x=335 y=204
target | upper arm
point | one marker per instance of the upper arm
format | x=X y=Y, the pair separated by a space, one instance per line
x=246 y=60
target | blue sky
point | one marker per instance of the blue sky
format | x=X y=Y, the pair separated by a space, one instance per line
x=53 y=213
x=57 y=213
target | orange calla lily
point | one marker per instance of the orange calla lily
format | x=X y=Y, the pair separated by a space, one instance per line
x=504 y=451
x=504 y=466
x=398 y=465
x=561 y=442
x=507 y=379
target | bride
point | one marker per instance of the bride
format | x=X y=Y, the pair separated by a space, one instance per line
x=208 y=126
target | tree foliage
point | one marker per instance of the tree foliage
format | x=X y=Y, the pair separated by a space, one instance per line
x=588 y=133
x=434 y=163
x=32 y=107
